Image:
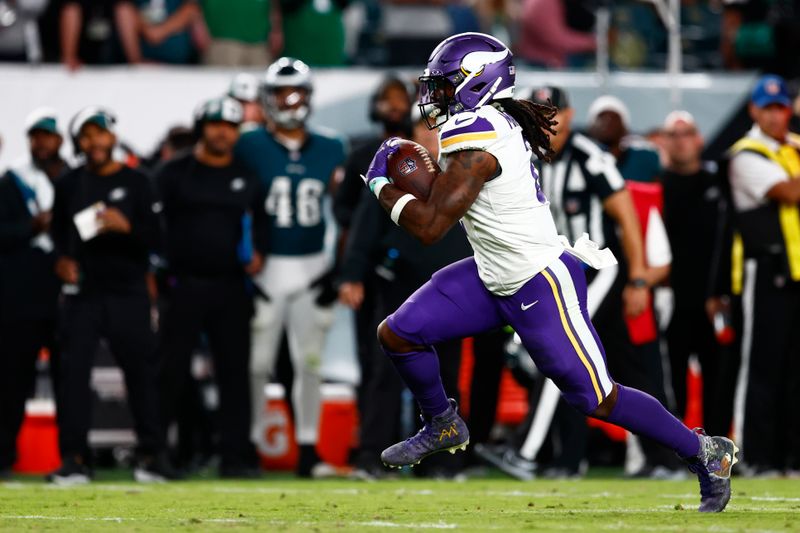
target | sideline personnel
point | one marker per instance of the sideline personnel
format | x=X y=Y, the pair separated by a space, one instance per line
x=104 y=227
x=209 y=200
x=764 y=176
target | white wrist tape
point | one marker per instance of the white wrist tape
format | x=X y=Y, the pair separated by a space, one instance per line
x=399 y=206
x=377 y=184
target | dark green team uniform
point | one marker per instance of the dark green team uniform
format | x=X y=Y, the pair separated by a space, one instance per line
x=639 y=161
x=296 y=184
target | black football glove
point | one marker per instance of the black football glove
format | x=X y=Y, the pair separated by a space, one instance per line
x=328 y=293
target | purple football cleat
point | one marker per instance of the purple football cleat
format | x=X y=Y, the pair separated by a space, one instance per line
x=444 y=432
x=713 y=468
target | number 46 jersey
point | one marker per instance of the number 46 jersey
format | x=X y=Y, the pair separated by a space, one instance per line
x=297 y=183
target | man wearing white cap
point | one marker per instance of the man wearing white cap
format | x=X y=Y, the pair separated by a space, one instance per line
x=105 y=226
x=609 y=123
x=45 y=143
x=693 y=215
x=28 y=287
x=216 y=236
x=244 y=88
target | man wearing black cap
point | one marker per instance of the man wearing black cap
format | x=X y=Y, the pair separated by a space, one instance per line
x=764 y=176
x=28 y=286
x=216 y=231
x=104 y=228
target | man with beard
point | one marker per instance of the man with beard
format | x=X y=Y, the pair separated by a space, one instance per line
x=104 y=227
x=390 y=106
x=215 y=237
x=28 y=286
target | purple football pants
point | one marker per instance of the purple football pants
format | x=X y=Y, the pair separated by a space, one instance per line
x=549 y=314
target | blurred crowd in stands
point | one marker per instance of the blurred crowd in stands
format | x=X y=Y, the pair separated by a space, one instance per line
x=715 y=34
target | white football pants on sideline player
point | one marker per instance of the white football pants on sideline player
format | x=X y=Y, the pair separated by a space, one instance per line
x=287 y=281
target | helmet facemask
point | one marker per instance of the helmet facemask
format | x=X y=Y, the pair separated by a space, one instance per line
x=289 y=107
x=286 y=92
x=436 y=100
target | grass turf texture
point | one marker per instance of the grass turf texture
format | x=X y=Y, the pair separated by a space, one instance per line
x=285 y=504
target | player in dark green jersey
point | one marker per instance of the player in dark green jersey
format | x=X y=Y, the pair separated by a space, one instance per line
x=299 y=167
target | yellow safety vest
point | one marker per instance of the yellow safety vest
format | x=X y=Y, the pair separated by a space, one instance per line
x=788 y=214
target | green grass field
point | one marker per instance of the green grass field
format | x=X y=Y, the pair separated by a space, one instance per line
x=285 y=504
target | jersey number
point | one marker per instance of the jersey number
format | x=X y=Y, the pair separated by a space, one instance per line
x=307 y=202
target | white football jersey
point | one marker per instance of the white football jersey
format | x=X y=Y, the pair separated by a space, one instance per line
x=509 y=226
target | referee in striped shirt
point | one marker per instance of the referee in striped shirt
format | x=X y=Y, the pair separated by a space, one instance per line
x=587 y=195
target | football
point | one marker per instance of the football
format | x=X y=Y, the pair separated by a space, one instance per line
x=413 y=169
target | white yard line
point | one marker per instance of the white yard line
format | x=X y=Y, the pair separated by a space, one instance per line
x=771 y=498
x=383 y=523
x=68 y=518
x=621 y=526
x=120 y=519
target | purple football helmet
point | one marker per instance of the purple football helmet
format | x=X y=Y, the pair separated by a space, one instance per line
x=464 y=72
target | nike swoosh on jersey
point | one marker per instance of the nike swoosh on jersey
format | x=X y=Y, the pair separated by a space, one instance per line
x=460 y=121
x=526 y=307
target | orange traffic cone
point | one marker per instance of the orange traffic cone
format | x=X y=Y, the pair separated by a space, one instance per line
x=37 y=442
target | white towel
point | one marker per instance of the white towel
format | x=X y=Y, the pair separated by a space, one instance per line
x=589 y=252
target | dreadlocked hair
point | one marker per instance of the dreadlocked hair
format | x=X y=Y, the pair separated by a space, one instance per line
x=536 y=121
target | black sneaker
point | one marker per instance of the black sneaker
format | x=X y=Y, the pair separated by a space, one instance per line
x=240 y=471
x=73 y=471
x=368 y=467
x=155 y=469
x=508 y=460
x=561 y=472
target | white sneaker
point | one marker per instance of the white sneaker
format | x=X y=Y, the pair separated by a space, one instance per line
x=323 y=470
x=141 y=475
x=72 y=472
x=70 y=480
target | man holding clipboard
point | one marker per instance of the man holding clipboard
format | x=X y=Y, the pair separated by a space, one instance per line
x=105 y=225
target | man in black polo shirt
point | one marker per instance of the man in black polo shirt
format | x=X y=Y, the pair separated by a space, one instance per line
x=693 y=215
x=104 y=228
x=216 y=231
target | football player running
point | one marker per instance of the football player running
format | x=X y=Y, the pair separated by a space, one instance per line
x=522 y=274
